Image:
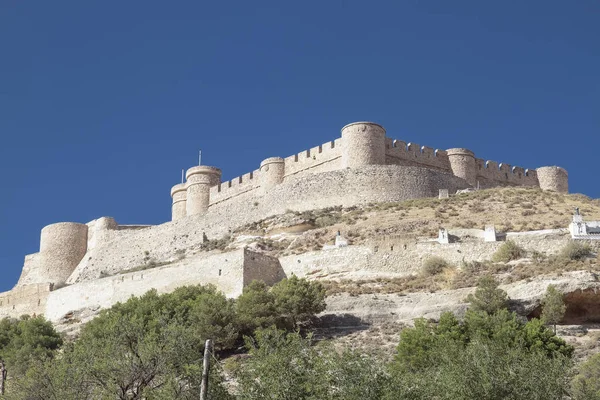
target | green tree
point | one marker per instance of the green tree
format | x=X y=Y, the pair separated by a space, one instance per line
x=287 y=366
x=24 y=340
x=553 y=307
x=149 y=347
x=484 y=369
x=255 y=308
x=297 y=301
x=586 y=384
x=488 y=296
x=421 y=345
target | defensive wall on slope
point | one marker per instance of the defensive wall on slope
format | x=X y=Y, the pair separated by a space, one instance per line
x=386 y=256
x=362 y=166
x=366 y=144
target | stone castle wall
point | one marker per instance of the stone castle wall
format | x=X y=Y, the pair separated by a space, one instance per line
x=348 y=187
x=227 y=271
x=230 y=272
x=362 y=166
x=29 y=299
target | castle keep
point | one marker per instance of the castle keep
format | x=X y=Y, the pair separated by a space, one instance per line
x=99 y=260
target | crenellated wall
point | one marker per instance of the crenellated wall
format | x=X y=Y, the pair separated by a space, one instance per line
x=362 y=166
x=360 y=144
x=323 y=158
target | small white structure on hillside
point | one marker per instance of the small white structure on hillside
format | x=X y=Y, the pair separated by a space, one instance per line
x=489 y=235
x=584 y=230
x=443 y=236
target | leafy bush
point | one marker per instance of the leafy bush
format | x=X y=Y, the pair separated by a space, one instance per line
x=255 y=307
x=575 y=251
x=24 y=340
x=297 y=301
x=509 y=251
x=586 y=384
x=420 y=346
x=288 y=366
x=433 y=266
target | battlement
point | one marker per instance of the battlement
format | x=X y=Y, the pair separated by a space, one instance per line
x=360 y=144
x=316 y=159
x=361 y=166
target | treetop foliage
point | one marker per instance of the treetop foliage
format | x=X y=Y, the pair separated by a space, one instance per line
x=488 y=296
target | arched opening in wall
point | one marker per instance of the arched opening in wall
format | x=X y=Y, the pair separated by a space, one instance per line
x=295 y=157
x=583 y=307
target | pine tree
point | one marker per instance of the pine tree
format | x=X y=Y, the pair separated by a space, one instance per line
x=488 y=297
x=553 y=307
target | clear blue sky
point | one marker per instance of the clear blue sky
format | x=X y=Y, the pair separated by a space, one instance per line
x=103 y=103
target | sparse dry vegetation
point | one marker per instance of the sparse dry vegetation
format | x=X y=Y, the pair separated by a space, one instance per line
x=433 y=266
x=509 y=251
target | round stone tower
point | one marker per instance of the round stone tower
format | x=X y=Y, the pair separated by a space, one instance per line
x=553 y=178
x=363 y=143
x=199 y=181
x=272 y=171
x=462 y=162
x=62 y=246
x=179 y=195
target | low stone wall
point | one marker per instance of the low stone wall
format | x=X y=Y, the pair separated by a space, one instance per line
x=392 y=258
x=30 y=299
x=229 y=272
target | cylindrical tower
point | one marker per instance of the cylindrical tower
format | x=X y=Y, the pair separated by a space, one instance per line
x=272 y=171
x=462 y=162
x=179 y=195
x=363 y=143
x=199 y=181
x=553 y=178
x=62 y=246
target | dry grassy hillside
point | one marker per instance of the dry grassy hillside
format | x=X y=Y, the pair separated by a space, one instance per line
x=509 y=209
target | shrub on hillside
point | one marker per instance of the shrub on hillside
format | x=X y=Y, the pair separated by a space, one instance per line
x=586 y=385
x=433 y=266
x=509 y=251
x=297 y=301
x=575 y=251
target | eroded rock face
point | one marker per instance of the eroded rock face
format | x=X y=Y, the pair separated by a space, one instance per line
x=583 y=307
x=581 y=289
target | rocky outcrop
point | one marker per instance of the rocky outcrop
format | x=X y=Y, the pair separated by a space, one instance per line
x=581 y=291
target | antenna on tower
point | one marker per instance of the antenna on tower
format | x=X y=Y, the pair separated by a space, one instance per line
x=182 y=175
x=200 y=157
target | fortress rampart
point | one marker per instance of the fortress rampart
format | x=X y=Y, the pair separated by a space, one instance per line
x=360 y=167
x=365 y=143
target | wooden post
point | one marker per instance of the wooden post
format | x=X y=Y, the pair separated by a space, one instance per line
x=206 y=370
x=3 y=373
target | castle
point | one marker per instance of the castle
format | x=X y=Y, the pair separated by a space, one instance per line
x=96 y=264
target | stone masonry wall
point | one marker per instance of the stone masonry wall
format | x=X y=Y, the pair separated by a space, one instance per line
x=227 y=271
x=384 y=258
x=349 y=187
x=30 y=299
